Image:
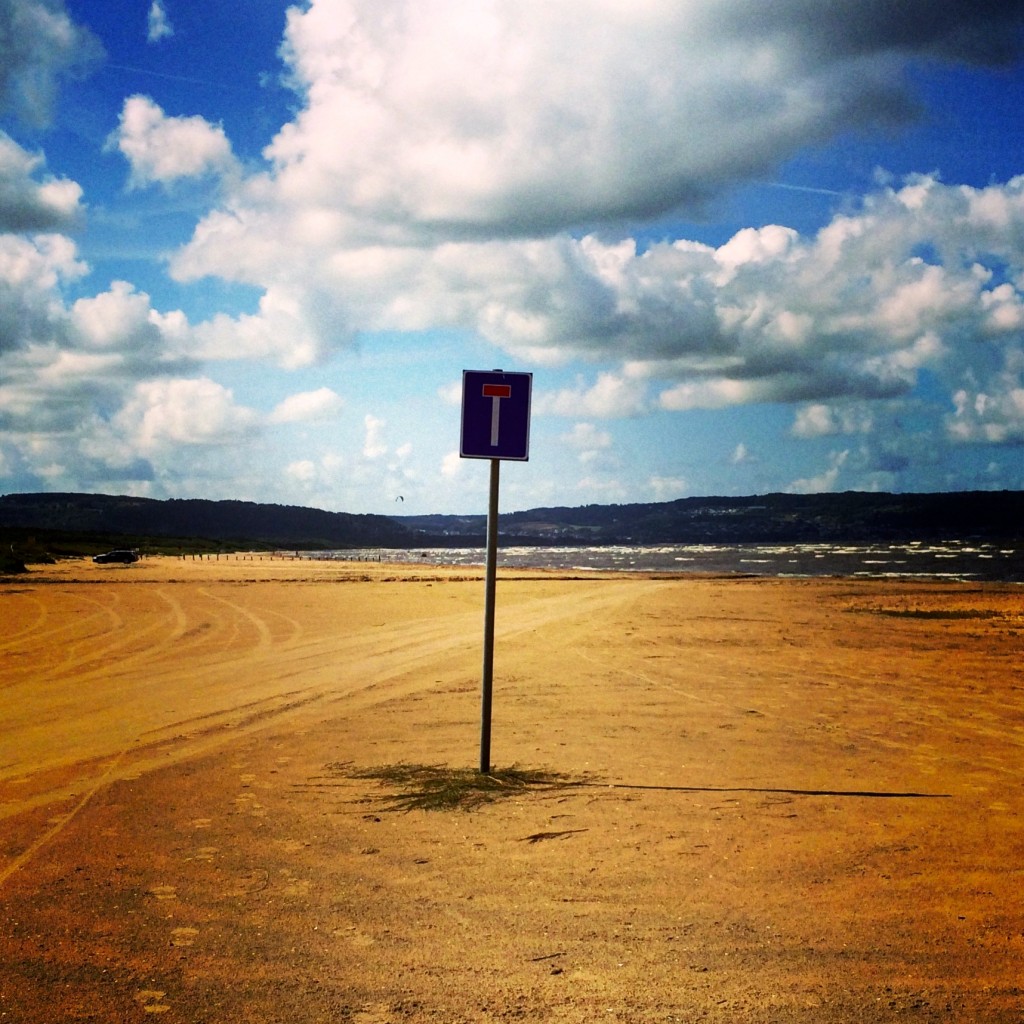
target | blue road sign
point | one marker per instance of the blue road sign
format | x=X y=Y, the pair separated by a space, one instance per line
x=495 y=415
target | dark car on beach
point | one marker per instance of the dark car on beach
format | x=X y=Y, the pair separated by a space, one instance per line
x=121 y=555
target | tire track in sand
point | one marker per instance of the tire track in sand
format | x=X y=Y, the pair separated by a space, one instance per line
x=175 y=711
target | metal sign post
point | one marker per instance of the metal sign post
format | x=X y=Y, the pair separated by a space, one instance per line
x=495 y=426
x=490 y=587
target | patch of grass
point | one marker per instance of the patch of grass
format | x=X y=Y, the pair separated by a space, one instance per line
x=429 y=787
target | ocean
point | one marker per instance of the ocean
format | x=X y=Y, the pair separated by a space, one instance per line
x=948 y=559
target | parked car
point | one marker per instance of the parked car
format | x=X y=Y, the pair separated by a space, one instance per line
x=121 y=555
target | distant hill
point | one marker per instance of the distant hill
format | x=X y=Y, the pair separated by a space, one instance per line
x=222 y=522
x=785 y=518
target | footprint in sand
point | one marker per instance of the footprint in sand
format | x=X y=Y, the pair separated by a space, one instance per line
x=291 y=845
x=249 y=883
x=151 y=1001
x=353 y=935
x=184 y=936
x=246 y=803
x=164 y=892
x=294 y=886
x=378 y=1014
x=204 y=853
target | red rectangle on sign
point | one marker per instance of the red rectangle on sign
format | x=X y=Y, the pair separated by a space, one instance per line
x=497 y=391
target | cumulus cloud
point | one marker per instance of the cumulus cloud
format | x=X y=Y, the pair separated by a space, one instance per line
x=85 y=388
x=541 y=116
x=30 y=205
x=911 y=281
x=308 y=406
x=996 y=418
x=120 y=319
x=38 y=44
x=821 y=420
x=451 y=465
x=826 y=481
x=611 y=396
x=163 y=415
x=31 y=273
x=412 y=193
x=163 y=149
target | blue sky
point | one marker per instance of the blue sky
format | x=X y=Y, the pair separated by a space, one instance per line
x=247 y=250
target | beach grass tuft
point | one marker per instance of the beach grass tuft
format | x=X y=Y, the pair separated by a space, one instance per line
x=432 y=787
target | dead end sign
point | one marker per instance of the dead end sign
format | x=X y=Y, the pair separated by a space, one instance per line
x=495 y=415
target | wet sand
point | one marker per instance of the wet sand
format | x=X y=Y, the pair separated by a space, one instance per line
x=791 y=800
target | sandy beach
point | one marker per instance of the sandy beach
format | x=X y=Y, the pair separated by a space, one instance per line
x=749 y=799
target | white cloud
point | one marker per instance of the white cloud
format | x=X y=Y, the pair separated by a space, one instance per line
x=585 y=436
x=30 y=205
x=611 y=396
x=722 y=392
x=287 y=329
x=165 y=414
x=165 y=149
x=602 y=488
x=451 y=394
x=302 y=471
x=70 y=369
x=31 y=273
x=826 y=481
x=158 y=24
x=308 y=406
x=852 y=312
x=38 y=42
x=587 y=441
x=119 y=319
x=667 y=488
x=540 y=116
x=411 y=193
x=822 y=420
x=374 y=446
x=989 y=418
x=451 y=465
x=816 y=420
x=753 y=246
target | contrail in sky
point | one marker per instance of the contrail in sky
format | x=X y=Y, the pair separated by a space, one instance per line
x=174 y=78
x=802 y=188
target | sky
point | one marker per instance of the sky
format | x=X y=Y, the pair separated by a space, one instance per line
x=248 y=249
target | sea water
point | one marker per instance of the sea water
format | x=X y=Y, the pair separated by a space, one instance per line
x=948 y=559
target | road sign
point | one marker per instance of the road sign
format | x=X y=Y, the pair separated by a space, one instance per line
x=496 y=415
x=495 y=426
